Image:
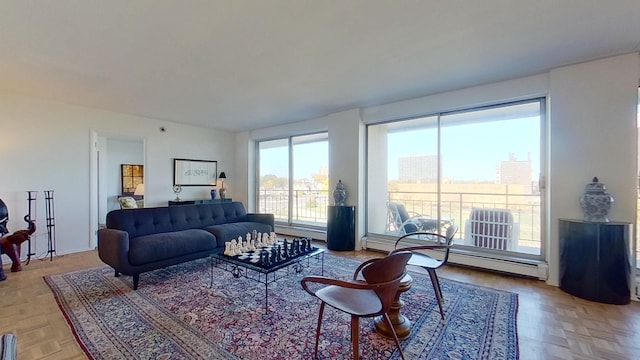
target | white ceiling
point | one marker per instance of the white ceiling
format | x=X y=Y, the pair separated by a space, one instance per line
x=242 y=64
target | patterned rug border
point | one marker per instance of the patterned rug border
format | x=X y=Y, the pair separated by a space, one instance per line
x=487 y=349
x=48 y=279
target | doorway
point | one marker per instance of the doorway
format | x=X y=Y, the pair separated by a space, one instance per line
x=108 y=152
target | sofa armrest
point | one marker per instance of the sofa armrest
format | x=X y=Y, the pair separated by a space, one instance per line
x=262 y=218
x=113 y=248
x=8 y=347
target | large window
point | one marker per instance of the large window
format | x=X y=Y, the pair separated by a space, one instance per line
x=293 y=179
x=477 y=168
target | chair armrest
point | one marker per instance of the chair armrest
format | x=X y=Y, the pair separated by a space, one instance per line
x=354 y=284
x=421 y=247
x=262 y=218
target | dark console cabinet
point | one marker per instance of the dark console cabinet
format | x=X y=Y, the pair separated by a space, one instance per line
x=198 y=202
x=341 y=228
x=595 y=260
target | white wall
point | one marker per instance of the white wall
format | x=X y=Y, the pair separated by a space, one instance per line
x=346 y=161
x=592 y=133
x=47 y=146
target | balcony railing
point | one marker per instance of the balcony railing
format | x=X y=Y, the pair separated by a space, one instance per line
x=309 y=206
x=457 y=206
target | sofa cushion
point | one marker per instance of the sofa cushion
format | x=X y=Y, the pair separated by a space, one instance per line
x=156 y=247
x=127 y=202
x=147 y=221
x=228 y=232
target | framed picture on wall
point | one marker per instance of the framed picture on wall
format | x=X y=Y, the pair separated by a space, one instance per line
x=131 y=176
x=188 y=172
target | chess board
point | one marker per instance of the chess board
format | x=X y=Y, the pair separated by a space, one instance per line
x=281 y=252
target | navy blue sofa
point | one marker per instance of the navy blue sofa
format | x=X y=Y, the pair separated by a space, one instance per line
x=140 y=240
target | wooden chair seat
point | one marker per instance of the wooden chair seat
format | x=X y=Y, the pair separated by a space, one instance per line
x=353 y=301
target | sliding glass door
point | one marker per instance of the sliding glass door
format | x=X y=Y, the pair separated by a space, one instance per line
x=273 y=170
x=293 y=179
x=477 y=168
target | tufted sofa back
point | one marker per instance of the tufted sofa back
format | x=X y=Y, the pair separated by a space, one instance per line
x=147 y=221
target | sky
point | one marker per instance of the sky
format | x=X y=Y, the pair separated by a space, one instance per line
x=472 y=151
x=308 y=160
x=469 y=152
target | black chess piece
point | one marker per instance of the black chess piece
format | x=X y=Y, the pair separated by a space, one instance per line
x=296 y=246
x=272 y=258
x=278 y=253
x=285 y=249
x=291 y=251
x=264 y=259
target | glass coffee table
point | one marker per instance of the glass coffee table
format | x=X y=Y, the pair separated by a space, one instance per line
x=239 y=266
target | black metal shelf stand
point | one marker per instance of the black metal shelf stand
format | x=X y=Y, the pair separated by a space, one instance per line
x=32 y=196
x=51 y=223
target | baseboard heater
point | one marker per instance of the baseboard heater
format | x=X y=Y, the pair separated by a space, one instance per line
x=524 y=267
x=301 y=232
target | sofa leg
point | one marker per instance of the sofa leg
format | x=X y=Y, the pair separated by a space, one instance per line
x=136 y=278
x=116 y=273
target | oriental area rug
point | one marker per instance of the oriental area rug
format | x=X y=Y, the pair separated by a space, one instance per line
x=175 y=314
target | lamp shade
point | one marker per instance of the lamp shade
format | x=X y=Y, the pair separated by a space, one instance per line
x=222 y=175
x=139 y=190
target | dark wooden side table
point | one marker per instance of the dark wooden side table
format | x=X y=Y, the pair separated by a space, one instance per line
x=341 y=228
x=595 y=260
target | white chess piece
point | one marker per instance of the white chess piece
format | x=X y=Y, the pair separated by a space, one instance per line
x=259 y=243
x=227 y=248
x=237 y=249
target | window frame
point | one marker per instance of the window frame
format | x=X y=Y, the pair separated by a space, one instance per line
x=291 y=143
x=542 y=113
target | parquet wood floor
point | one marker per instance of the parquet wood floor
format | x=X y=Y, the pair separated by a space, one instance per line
x=551 y=323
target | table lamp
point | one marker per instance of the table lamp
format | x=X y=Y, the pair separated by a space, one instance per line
x=223 y=191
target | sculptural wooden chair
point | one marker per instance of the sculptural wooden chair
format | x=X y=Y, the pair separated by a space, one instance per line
x=368 y=297
x=418 y=242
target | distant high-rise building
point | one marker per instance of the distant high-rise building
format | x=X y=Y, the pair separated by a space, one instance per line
x=514 y=171
x=418 y=169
